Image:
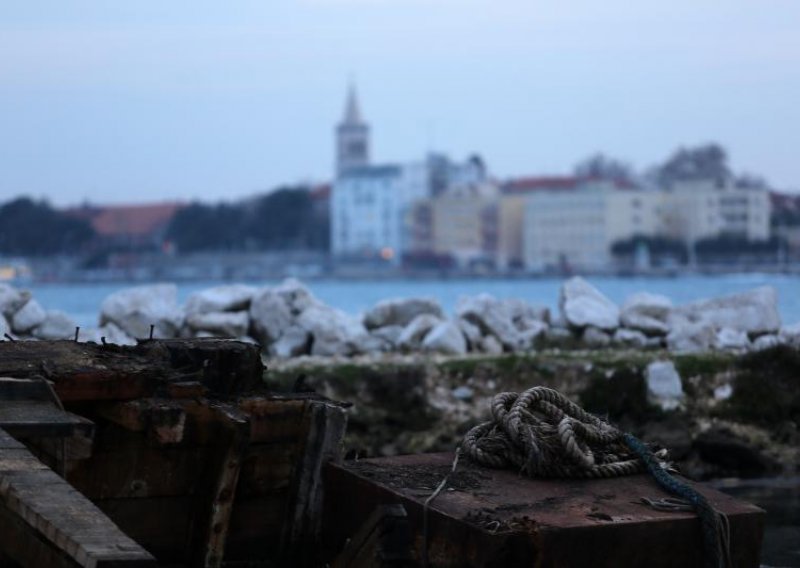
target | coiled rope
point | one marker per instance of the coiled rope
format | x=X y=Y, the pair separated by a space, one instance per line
x=542 y=433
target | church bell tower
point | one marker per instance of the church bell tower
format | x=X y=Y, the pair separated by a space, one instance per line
x=352 y=137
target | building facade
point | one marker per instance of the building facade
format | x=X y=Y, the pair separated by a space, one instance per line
x=575 y=228
x=706 y=209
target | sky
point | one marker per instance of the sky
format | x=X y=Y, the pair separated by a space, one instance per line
x=123 y=102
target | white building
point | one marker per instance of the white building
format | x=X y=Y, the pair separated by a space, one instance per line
x=369 y=210
x=371 y=204
x=577 y=227
x=702 y=209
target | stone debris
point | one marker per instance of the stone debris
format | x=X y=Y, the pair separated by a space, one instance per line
x=287 y=320
x=664 y=387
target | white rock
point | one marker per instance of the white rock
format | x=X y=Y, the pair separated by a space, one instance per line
x=471 y=332
x=594 y=337
x=536 y=330
x=524 y=315
x=664 y=387
x=12 y=299
x=333 y=332
x=56 y=325
x=463 y=393
x=416 y=330
x=629 y=337
x=491 y=345
x=224 y=324
x=446 y=338
x=4 y=327
x=646 y=312
x=293 y=342
x=690 y=337
x=790 y=334
x=766 y=341
x=270 y=316
x=27 y=317
x=400 y=311
x=754 y=311
x=729 y=339
x=227 y=298
x=493 y=317
x=583 y=305
x=296 y=295
x=135 y=309
x=723 y=392
x=112 y=334
x=389 y=335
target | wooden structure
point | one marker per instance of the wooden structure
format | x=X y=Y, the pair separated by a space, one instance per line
x=494 y=518
x=172 y=446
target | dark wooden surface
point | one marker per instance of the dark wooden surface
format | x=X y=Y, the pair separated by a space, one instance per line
x=92 y=372
x=494 y=518
x=59 y=526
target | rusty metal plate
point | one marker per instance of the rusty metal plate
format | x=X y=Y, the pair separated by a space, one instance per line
x=489 y=517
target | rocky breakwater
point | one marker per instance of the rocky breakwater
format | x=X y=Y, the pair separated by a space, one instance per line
x=22 y=317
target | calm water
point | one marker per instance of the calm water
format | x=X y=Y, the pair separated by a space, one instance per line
x=82 y=301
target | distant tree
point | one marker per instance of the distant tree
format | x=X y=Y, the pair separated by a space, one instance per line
x=200 y=227
x=34 y=228
x=283 y=219
x=733 y=246
x=599 y=166
x=659 y=248
x=708 y=162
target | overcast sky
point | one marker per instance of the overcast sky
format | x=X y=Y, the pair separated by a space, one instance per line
x=151 y=100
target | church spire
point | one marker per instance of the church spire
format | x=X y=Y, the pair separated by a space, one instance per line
x=352 y=112
x=352 y=136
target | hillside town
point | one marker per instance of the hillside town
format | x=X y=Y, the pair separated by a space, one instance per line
x=433 y=215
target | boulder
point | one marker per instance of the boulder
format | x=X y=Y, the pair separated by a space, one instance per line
x=664 y=387
x=594 y=337
x=56 y=325
x=766 y=342
x=412 y=334
x=646 y=312
x=296 y=295
x=112 y=334
x=400 y=312
x=293 y=342
x=524 y=315
x=729 y=339
x=27 y=317
x=535 y=331
x=491 y=345
x=220 y=324
x=471 y=332
x=389 y=335
x=583 y=305
x=446 y=338
x=790 y=334
x=754 y=311
x=629 y=338
x=332 y=331
x=690 y=337
x=11 y=299
x=227 y=298
x=135 y=309
x=270 y=315
x=493 y=317
x=4 y=327
x=559 y=336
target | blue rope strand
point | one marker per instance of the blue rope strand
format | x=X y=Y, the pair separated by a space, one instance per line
x=709 y=518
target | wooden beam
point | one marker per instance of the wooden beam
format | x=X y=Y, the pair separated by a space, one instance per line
x=42 y=510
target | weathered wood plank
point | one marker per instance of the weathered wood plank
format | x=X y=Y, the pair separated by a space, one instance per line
x=91 y=372
x=57 y=516
x=39 y=419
